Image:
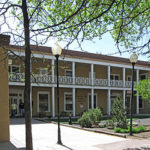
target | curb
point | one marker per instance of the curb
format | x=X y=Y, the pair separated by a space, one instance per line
x=87 y=129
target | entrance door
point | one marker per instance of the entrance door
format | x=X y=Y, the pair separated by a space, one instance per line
x=90 y=101
x=127 y=104
x=15 y=98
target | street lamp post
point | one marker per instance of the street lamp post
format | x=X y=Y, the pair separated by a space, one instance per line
x=133 y=60
x=56 y=51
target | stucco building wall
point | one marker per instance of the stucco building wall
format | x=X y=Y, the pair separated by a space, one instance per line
x=4 y=90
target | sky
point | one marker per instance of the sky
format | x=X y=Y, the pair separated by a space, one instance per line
x=105 y=46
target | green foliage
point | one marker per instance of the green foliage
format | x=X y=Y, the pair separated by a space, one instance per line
x=134 y=130
x=119 y=113
x=91 y=117
x=110 y=124
x=126 y=21
x=143 y=88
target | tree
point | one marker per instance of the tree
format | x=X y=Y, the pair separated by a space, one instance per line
x=37 y=21
x=143 y=88
x=119 y=114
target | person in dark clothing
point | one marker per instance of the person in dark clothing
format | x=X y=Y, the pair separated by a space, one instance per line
x=21 y=108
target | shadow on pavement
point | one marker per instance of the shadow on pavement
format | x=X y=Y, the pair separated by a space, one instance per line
x=67 y=147
x=9 y=146
x=19 y=121
x=142 y=148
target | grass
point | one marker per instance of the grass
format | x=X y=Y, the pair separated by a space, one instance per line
x=134 y=130
x=65 y=120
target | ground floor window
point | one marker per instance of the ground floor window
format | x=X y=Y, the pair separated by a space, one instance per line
x=141 y=103
x=43 y=102
x=68 y=102
x=90 y=101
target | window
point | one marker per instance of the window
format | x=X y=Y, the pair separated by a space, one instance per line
x=129 y=78
x=143 y=76
x=14 y=69
x=114 y=77
x=43 y=101
x=44 y=71
x=90 y=101
x=141 y=103
x=68 y=102
x=68 y=73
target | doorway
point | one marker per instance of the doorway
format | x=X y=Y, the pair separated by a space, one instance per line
x=15 y=98
x=127 y=104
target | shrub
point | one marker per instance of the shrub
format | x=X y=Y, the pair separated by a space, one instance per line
x=85 y=120
x=119 y=114
x=91 y=117
x=110 y=124
x=134 y=130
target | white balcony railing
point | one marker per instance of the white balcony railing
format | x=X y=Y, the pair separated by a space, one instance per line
x=48 y=79
x=116 y=83
x=82 y=81
x=101 y=82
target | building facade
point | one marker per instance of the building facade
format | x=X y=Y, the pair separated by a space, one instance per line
x=4 y=89
x=86 y=81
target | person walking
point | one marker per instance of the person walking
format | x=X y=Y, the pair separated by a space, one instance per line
x=21 y=108
x=13 y=109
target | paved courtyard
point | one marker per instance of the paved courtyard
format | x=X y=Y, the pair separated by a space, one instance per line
x=45 y=138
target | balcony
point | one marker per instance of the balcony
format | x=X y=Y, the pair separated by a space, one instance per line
x=63 y=80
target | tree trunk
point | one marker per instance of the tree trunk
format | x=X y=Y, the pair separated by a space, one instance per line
x=29 y=145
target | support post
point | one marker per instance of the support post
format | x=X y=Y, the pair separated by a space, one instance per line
x=108 y=103
x=74 y=103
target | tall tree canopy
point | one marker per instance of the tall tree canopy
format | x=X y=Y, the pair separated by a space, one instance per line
x=127 y=21
x=143 y=88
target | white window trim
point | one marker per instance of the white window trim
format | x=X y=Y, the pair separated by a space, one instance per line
x=66 y=71
x=14 y=66
x=43 y=92
x=116 y=75
x=142 y=74
x=95 y=94
x=67 y=93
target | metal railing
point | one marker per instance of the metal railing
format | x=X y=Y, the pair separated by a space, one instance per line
x=64 y=80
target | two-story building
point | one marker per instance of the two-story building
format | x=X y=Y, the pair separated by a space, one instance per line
x=86 y=80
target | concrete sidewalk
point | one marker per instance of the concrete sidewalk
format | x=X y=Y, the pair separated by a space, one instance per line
x=45 y=138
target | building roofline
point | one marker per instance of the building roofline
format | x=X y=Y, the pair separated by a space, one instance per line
x=82 y=54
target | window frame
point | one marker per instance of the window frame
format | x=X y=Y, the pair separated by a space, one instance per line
x=66 y=72
x=43 y=92
x=67 y=93
x=95 y=94
x=114 y=76
x=13 y=66
x=142 y=75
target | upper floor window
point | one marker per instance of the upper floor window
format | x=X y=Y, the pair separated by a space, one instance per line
x=68 y=73
x=14 y=69
x=114 y=77
x=143 y=76
x=44 y=71
x=129 y=78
